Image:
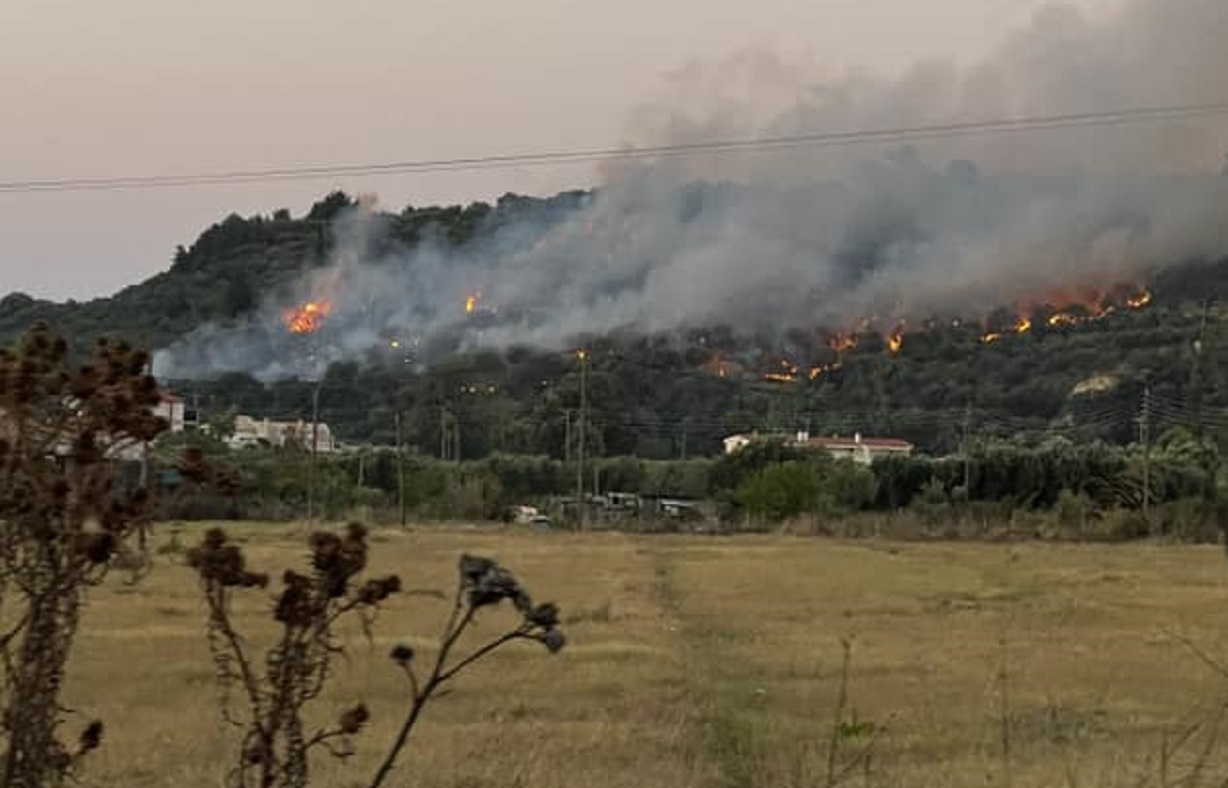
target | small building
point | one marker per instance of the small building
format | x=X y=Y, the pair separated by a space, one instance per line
x=736 y=442
x=171 y=408
x=256 y=432
x=857 y=448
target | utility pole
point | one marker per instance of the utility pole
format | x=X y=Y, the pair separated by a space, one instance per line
x=1144 y=430
x=311 y=471
x=449 y=435
x=443 y=432
x=582 y=356
x=1196 y=376
x=400 y=471
x=567 y=436
x=142 y=537
x=964 y=450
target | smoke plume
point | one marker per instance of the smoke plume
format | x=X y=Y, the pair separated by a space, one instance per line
x=817 y=236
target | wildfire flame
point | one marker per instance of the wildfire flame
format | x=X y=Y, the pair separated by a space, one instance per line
x=1139 y=300
x=717 y=366
x=1056 y=309
x=842 y=341
x=817 y=372
x=308 y=318
x=1072 y=308
x=471 y=302
x=895 y=341
x=788 y=372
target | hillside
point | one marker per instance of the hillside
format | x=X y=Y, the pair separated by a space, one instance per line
x=238 y=263
x=670 y=393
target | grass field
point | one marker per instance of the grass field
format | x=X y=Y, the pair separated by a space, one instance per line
x=717 y=662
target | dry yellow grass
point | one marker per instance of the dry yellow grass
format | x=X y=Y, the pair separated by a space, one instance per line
x=714 y=662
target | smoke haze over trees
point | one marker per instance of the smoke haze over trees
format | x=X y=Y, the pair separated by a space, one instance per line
x=808 y=237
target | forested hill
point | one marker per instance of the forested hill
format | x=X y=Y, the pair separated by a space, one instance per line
x=669 y=396
x=235 y=264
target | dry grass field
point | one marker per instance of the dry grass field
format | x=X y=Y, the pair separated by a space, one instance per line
x=699 y=661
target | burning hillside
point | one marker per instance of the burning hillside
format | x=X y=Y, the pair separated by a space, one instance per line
x=797 y=237
x=1058 y=309
x=308 y=318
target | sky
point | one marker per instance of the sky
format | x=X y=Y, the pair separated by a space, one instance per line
x=137 y=87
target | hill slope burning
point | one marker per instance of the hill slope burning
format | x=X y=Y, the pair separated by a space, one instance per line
x=805 y=237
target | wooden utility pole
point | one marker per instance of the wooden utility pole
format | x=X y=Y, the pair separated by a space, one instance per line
x=582 y=356
x=567 y=436
x=443 y=432
x=142 y=536
x=449 y=435
x=311 y=471
x=1144 y=430
x=400 y=471
x=964 y=450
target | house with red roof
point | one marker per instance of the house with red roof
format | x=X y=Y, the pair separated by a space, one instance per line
x=857 y=447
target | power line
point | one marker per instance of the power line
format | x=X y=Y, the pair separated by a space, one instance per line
x=755 y=144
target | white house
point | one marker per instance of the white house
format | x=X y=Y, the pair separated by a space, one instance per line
x=859 y=449
x=856 y=448
x=171 y=408
x=735 y=442
x=253 y=432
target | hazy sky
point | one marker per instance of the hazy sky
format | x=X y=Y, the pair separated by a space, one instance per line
x=137 y=87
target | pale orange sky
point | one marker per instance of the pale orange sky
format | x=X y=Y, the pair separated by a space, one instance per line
x=137 y=87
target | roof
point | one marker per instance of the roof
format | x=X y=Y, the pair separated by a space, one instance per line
x=166 y=396
x=888 y=444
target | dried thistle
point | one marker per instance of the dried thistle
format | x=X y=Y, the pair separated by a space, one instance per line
x=61 y=428
x=275 y=748
x=482 y=583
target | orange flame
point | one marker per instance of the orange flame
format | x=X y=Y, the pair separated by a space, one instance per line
x=842 y=341
x=817 y=372
x=1023 y=325
x=471 y=302
x=990 y=338
x=717 y=366
x=895 y=341
x=788 y=372
x=307 y=318
x=1139 y=300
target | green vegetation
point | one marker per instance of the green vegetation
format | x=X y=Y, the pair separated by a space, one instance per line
x=1122 y=417
x=660 y=397
x=1054 y=488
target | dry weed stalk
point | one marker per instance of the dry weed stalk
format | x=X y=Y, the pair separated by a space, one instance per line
x=482 y=583
x=275 y=742
x=63 y=520
x=840 y=766
x=276 y=746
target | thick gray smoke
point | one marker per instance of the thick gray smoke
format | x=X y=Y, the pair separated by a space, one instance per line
x=822 y=236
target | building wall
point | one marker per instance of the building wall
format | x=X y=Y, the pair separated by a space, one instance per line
x=173 y=411
x=249 y=431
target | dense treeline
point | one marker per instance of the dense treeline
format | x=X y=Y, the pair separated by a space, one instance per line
x=656 y=397
x=663 y=397
x=1169 y=486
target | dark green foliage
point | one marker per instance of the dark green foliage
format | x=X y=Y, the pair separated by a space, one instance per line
x=813 y=485
x=656 y=396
